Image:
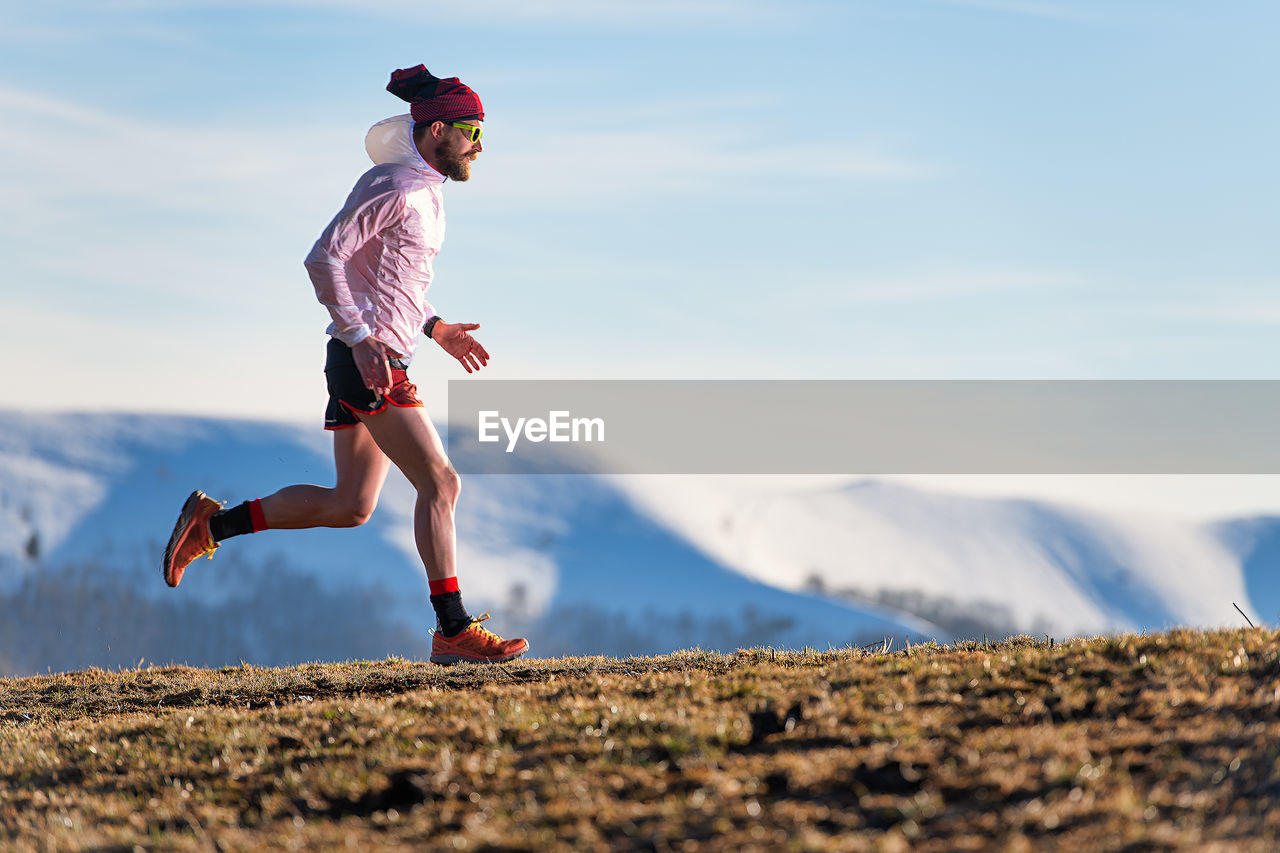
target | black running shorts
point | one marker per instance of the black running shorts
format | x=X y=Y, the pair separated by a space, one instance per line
x=347 y=394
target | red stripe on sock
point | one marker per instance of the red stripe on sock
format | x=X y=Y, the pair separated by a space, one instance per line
x=440 y=587
x=256 y=516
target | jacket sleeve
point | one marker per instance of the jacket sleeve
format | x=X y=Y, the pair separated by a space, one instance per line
x=359 y=221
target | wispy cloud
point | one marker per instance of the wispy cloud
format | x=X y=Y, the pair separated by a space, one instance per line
x=56 y=149
x=1228 y=305
x=590 y=169
x=936 y=286
x=155 y=234
x=1033 y=8
x=730 y=13
x=74 y=23
x=57 y=154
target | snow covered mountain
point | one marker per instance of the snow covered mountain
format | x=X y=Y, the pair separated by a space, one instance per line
x=87 y=502
x=580 y=564
x=1009 y=565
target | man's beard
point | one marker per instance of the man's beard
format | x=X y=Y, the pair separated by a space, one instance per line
x=457 y=169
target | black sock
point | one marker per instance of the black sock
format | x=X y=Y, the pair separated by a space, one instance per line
x=450 y=613
x=226 y=523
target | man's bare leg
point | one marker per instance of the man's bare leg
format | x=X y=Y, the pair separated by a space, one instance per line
x=408 y=437
x=362 y=470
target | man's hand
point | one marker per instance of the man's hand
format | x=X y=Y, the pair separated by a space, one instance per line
x=455 y=339
x=371 y=360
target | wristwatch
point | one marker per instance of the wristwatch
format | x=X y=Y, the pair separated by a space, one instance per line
x=430 y=324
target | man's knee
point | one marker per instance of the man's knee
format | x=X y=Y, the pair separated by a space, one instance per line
x=445 y=485
x=354 y=512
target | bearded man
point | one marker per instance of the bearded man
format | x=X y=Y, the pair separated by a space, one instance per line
x=371 y=269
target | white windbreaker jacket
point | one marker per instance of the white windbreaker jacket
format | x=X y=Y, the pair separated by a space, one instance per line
x=373 y=264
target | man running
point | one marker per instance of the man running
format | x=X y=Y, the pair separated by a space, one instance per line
x=371 y=269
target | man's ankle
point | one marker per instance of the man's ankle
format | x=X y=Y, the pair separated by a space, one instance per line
x=237 y=521
x=446 y=599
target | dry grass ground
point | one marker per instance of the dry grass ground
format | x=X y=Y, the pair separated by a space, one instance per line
x=1142 y=743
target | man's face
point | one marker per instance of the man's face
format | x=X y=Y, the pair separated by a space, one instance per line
x=455 y=150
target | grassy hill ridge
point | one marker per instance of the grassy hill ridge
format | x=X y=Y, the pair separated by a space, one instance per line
x=1154 y=742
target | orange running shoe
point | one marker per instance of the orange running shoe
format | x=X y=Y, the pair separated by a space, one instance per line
x=191 y=538
x=476 y=644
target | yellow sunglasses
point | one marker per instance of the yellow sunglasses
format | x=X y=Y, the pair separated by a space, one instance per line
x=473 y=132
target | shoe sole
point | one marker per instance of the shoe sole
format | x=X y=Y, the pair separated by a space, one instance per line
x=449 y=660
x=184 y=519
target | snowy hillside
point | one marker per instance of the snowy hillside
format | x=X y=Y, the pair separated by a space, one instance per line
x=86 y=503
x=580 y=564
x=108 y=488
x=1018 y=565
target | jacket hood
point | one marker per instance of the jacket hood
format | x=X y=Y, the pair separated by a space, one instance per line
x=391 y=141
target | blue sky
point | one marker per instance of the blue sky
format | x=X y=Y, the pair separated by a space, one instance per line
x=702 y=189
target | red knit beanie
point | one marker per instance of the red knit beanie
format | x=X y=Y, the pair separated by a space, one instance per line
x=433 y=99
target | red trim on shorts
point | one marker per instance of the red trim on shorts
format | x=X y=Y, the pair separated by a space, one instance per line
x=440 y=587
x=255 y=515
x=358 y=412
